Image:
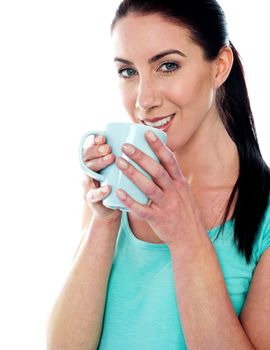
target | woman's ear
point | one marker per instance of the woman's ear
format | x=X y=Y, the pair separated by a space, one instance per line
x=224 y=62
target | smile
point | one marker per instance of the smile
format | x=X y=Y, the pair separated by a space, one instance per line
x=162 y=124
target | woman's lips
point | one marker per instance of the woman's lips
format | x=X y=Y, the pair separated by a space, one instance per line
x=167 y=125
x=164 y=127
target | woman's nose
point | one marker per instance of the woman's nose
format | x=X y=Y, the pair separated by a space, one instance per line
x=147 y=96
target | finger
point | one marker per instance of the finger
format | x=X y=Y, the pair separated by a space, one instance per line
x=95 y=151
x=93 y=140
x=99 y=139
x=139 y=210
x=95 y=195
x=100 y=163
x=146 y=185
x=165 y=155
x=152 y=167
x=89 y=183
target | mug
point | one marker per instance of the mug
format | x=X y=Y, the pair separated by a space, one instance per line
x=116 y=135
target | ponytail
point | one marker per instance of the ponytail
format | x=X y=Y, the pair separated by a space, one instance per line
x=251 y=191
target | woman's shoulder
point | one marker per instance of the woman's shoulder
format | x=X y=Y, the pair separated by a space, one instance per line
x=263 y=238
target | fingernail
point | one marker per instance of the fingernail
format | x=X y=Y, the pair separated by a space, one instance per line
x=107 y=157
x=98 y=139
x=128 y=148
x=151 y=136
x=104 y=189
x=103 y=149
x=121 y=194
x=122 y=163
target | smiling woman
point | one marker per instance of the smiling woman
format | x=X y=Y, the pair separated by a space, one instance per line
x=164 y=275
x=150 y=91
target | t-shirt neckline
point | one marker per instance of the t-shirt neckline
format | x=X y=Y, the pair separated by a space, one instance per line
x=159 y=246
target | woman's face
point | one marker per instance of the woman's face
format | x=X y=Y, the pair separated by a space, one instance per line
x=164 y=78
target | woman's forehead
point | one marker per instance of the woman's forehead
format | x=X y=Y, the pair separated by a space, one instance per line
x=149 y=31
x=153 y=23
x=147 y=35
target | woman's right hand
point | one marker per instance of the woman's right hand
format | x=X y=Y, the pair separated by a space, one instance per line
x=98 y=156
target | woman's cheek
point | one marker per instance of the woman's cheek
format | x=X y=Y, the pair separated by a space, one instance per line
x=179 y=94
x=127 y=100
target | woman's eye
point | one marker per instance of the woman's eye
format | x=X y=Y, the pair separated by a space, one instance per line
x=127 y=73
x=169 y=67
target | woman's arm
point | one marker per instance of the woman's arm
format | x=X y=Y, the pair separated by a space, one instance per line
x=75 y=322
x=255 y=315
x=86 y=220
x=207 y=315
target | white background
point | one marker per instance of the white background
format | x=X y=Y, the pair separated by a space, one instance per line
x=56 y=82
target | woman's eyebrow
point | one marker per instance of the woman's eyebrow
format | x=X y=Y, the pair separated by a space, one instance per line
x=154 y=58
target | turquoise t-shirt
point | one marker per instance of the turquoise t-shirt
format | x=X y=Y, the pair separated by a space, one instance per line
x=141 y=310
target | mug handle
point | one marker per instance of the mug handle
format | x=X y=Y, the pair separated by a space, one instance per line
x=87 y=170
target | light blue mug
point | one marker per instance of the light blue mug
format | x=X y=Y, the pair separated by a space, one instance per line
x=116 y=135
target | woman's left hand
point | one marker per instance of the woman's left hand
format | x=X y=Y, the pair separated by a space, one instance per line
x=172 y=214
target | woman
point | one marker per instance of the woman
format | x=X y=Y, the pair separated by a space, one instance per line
x=191 y=269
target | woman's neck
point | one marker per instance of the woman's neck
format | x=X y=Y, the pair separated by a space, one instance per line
x=210 y=160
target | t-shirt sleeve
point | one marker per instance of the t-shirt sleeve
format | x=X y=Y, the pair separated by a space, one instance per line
x=266 y=240
x=263 y=240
